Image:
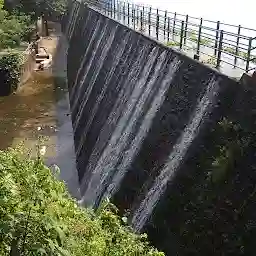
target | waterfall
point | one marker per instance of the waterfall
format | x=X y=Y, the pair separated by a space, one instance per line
x=177 y=155
x=117 y=142
x=72 y=20
x=83 y=97
x=125 y=87
x=158 y=92
x=78 y=83
x=102 y=93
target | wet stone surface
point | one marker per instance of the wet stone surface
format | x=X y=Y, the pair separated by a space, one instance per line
x=29 y=113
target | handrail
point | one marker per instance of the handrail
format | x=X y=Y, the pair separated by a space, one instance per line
x=220 y=41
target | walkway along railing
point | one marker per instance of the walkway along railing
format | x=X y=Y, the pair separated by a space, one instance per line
x=224 y=46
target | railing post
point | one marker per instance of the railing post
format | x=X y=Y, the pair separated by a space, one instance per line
x=134 y=17
x=181 y=34
x=124 y=13
x=157 y=25
x=174 y=22
x=186 y=30
x=143 y=17
x=237 y=45
x=199 y=37
x=216 y=38
x=165 y=20
x=114 y=9
x=248 y=55
x=149 y=21
x=168 y=29
x=219 y=49
x=132 y=14
x=111 y=9
x=105 y=9
x=128 y=14
x=137 y=16
x=141 y=21
x=119 y=10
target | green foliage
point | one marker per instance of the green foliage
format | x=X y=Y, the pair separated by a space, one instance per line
x=14 y=28
x=37 y=8
x=172 y=43
x=229 y=49
x=38 y=216
x=59 y=6
x=253 y=59
x=213 y=208
x=241 y=54
x=225 y=158
x=9 y=71
x=211 y=61
x=193 y=36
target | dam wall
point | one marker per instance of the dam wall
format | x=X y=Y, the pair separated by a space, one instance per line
x=165 y=137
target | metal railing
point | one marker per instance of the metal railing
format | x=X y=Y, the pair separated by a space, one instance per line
x=223 y=46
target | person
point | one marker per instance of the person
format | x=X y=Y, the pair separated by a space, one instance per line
x=46 y=28
x=36 y=42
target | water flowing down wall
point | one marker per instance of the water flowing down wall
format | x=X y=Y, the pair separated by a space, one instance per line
x=143 y=116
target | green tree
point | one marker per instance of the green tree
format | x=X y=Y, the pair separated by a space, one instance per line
x=37 y=8
x=38 y=216
x=14 y=28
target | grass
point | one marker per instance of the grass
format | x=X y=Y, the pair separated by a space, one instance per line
x=172 y=43
x=193 y=36
x=211 y=61
x=242 y=54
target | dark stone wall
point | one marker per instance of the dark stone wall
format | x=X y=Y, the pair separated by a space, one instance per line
x=210 y=207
x=133 y=103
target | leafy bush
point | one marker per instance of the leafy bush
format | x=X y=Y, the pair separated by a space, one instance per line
x=28 y=26
x=38 y=216
x=9 y=72
x=11 y=32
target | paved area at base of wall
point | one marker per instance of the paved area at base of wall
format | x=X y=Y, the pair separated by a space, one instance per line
x=40 y=109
